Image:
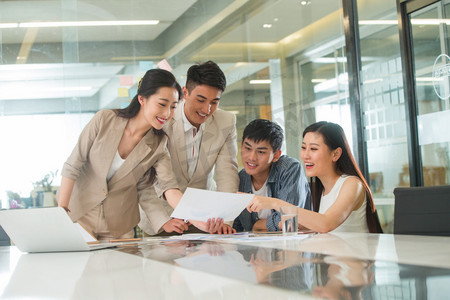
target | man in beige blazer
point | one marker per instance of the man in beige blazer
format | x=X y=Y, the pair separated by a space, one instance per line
x=202 y=145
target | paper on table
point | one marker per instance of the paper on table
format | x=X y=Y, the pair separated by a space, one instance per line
x=201 y=205
x=206 y=236
x=86 y=235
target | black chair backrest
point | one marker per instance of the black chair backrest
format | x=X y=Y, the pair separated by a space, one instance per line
x=422 y=210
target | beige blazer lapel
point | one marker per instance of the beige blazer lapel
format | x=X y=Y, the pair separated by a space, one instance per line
x=177 y=142
x=142 y=149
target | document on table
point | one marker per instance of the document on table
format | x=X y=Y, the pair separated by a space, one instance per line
x=86 y=235
x=207 y=236
x=201 y=205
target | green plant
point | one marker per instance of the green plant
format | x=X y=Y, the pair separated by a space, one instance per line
x=12 y=195
x=14 y=199
x=46 y=182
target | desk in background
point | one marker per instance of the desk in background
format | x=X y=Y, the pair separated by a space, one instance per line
x=4 y=238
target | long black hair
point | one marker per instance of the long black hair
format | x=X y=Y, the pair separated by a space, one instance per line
x=149 y=85
x=334 y=137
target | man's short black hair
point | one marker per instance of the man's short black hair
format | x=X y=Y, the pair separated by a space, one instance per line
x=264 y=130
x=207 y=73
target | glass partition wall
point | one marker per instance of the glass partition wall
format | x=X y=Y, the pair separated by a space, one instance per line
x=383 y=104
x=430 y=27
x=61 y=61
x=424 y=40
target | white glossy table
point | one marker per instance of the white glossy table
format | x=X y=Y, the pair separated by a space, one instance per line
x=249 y=269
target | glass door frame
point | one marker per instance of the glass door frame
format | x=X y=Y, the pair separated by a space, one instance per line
x=404 y=9
x=353 y=53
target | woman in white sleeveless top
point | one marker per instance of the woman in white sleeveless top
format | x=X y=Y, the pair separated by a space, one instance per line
x=341 y=197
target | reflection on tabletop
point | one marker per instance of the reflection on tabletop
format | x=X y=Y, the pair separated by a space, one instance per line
x=193 y=269
x=51 y=274
x=317 y=275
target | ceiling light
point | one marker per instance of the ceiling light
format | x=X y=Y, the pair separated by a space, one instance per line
x=267 y=25
x=329 y=60
x=9 y=25
x=370 y=81
x=67 y=89
x=378 y=22
x=332 y=84
x=87 y=23
x=413 y=21
x=428 y=79
x=260 y=81
x=428 y=21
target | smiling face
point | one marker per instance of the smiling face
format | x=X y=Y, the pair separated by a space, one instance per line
x=158 y=108
x=258 y=157
x=201 y=103
x=318 y=158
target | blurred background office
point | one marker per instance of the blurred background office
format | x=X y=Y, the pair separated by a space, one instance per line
x=294 y=62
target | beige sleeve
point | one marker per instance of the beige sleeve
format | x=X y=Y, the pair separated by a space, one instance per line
x=165 y=179
x=79 y=156
x=226 y=168
x=153 y=212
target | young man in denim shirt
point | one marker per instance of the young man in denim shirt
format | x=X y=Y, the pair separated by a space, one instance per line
x=268 y=173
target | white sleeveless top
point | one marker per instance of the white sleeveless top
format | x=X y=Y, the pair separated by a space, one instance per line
x=115 y=165
x=356 y=221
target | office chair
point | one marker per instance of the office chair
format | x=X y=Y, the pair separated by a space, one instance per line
x=422 y=210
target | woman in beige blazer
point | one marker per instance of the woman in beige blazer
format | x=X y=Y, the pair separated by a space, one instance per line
x=118 y=156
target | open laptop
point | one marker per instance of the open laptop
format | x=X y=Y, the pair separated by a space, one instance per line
x=47 y=229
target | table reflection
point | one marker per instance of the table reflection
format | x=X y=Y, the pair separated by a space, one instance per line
x=318 y=275
x=188 y=269
x=345 y=278
x=53 y=275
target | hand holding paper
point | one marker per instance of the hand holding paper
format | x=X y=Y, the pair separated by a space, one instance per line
x=212 y=225
x=202 y=205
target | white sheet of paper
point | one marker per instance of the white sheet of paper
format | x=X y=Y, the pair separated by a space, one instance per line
x=201 y=205
x=86 y=235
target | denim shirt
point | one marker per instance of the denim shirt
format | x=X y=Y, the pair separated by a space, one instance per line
x=286 y=181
